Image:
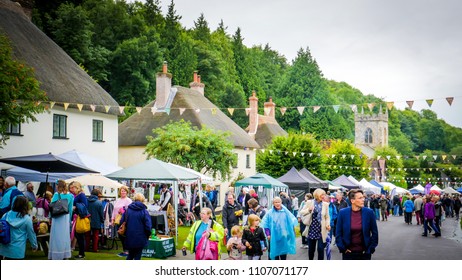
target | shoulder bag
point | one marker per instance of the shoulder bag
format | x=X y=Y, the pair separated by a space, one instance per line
x=59 y=207
x=123 y=227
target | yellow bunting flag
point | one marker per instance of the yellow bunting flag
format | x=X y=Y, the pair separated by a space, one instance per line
x=429 y=102
x=107 y=108
x=65 y=106
x=138 y=109
x=390 y=105
x=52 y=104
x=214 y=111
x=80 y=106
x=443 y=157
x=231 y=111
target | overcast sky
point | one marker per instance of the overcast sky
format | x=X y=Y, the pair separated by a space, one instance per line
x=398 y=50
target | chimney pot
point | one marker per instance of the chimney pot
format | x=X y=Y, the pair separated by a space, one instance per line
x=195 y=76
x=164 y=68
x=198 y=78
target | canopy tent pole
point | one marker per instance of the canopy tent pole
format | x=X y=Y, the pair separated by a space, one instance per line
x=175 y=201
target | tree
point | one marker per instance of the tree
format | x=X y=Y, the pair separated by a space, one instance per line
x=344 y=158
x=203 y=150
x=293 y=150
x=20 y=91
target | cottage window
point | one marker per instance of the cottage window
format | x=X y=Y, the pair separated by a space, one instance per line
x=247 y=161
x=59 y=126
x=98 y=130
x=13 y=129
x=237 y=161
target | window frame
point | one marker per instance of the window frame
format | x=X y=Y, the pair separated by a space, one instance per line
x=368 y=139
x=60 y=117
x=97 y=139
x=9 y=130
x=247 y=161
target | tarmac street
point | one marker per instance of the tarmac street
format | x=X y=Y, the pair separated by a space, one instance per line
x=397 y=241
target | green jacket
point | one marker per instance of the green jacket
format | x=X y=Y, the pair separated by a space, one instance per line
x=217 y=235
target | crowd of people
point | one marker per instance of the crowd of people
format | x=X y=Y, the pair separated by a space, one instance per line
x=347 y=221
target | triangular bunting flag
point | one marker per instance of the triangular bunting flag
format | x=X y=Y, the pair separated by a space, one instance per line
x=197 y=110
x=352 y=156
x=454 y=156
x=371 y=106
x=121 y=109
x=247 y=111
x=434 y=157
x=398 y=157
x=138 y=109
x=262 y=150
x=378 y=157
x=311 y=154
x=333 y=156
x=107 y=108
x=80 y=106
x=443 y=157
x=167 y=110
x=37 y=103
x=302 y=154
x=343 y=156
x=424 y=157
x=231 y=111
x=336 y=107
x=92 y=107
x=354 y=108
x=449 y=100
x=65 y=106
x=390 y=105
x=417 y=157
x=429 y=102
x=283 y=110
x=316 y=108
x=388 y=157
x=410 y=103
x=294 y=153
x=286 y=153
x=267 y=111
x=214 y=111
x=182 y=111
x=52 y=104
x=300 y=109
x=153 y=110
x=271 y=151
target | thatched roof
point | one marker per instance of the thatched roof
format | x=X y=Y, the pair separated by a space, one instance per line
x=267 y=128
x=133 y=131
x=59 y=76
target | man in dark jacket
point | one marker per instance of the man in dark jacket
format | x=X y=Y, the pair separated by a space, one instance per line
x=231 y=213
x=95 y=208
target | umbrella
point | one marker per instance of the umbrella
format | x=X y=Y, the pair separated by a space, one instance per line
x=47 y=163
x=95 y=180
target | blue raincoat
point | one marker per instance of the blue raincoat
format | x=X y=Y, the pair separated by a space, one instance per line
x=281 y=225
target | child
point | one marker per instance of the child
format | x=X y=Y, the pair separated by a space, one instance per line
x=254 y=238
x=234 y=245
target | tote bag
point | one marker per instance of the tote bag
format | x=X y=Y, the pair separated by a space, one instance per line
x=206 y=249
x=82 y=225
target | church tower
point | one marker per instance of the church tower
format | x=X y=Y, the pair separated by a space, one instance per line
x=371 y=131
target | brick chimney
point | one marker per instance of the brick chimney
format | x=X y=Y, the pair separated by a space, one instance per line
x=196 y=83
x=253 y=114
x=163 y=86
x=270 y=108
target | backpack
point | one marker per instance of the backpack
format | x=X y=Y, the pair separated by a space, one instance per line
x=5 y=237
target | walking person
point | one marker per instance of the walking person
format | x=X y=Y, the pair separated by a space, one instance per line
x=408 y=210
x=457 y=205
x=357 y=235
x=280 y=223
x=254 y=238
x=138 y=224
x=418 y=202
x=396 y=205
x=231 y=214
x=439 y=212
x=375 y=206
x=429 y=216
x=383 y=203
x=294 y=205
x=318 y=225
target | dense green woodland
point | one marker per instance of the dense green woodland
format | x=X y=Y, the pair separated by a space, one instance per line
x=122 y=46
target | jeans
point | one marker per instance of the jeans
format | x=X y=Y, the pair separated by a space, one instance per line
x=377 y=213
x=396 y=210
x=408 y=217
x=356 y=256
x=432 y=224
x=134 y=254
x=312 y=248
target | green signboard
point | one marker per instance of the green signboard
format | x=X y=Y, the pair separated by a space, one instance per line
x=159 y=249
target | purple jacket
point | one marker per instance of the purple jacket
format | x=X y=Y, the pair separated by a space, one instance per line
x=429 y=210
